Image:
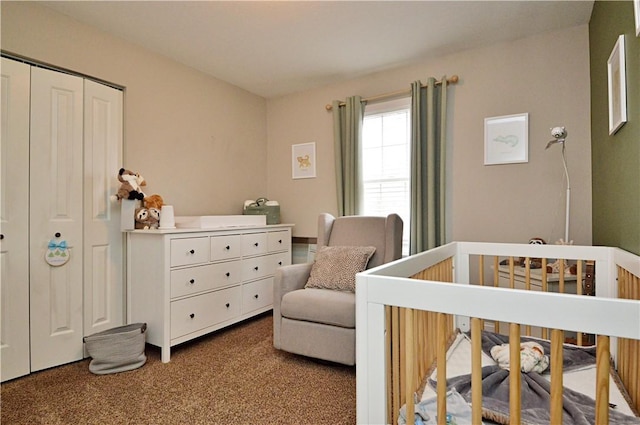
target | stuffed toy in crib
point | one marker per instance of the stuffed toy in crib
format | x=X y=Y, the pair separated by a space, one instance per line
x=532 y=357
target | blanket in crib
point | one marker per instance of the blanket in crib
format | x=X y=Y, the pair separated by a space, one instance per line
x=578 y=408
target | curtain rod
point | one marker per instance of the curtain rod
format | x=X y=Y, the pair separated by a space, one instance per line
x=453 y=80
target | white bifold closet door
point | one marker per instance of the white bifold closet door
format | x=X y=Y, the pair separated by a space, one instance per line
x=14 y=212
x=55 y=207
x=104 y=291
x=74 y=149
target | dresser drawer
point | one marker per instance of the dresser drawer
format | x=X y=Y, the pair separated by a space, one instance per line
x=258 y=294
x=201 y=278
x=278 y=260
x=279 y=241
x=255 y=268
x=193 y=314
x=226 y=247
x=254 y=244
x=263 y=266
x=189 y=251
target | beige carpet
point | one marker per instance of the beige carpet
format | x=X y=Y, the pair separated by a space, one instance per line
x=231 y=376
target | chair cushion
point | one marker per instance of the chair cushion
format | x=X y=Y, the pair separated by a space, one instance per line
x=326 y=306
x=335 y=267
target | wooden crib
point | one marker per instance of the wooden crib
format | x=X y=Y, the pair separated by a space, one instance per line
x=408 y=311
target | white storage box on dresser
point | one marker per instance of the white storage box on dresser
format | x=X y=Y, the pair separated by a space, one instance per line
x=185 y=283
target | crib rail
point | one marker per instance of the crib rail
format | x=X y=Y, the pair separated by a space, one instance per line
x=629 y=349
x=418 y=316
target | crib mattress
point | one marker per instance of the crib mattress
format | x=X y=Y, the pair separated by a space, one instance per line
x=581 y=380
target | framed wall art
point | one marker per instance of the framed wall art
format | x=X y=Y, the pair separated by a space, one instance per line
x=506 y=139
x=303 y=161
x=617 y=86
x=636 y=11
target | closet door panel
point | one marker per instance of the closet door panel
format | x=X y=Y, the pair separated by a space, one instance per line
x=103 y=239
x=14 y=204
x=56 y=188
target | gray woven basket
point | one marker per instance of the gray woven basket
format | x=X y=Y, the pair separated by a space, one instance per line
x=118 y=349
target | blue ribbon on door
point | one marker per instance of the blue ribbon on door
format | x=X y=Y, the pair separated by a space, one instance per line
x=61 y=245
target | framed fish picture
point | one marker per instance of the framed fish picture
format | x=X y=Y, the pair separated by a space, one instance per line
x=506 y=139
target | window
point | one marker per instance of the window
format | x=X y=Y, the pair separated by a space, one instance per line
x=386 y=157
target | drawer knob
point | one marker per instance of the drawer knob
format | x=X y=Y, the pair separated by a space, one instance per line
x=227 y=274
x=255 y=296
x=192 y=281
x=280 y=241
x=193 y=251
x=192 y=315
x=255 y=268
x=227 y=304
x=256 y=244
x=279 y=263
x=227 y=247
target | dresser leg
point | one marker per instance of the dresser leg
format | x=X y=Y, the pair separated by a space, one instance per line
x=165 y=354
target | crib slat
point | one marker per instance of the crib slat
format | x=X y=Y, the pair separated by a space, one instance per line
x=602 y=380
x=496 y=283
x=561 y=282
x=527 y=286
x=579 y=290
x=420 y=344
x=634 y=359
x=544 y=289
x=512 y=273
x=515 y=383
x=624 y=348
x=409 y=362
x=481 y=279
x=397 y=359
x=634 y=375
x=527 y=273
x=476 y=371
x=557 y=338
x=393 y=364
x=634 y=282
x=442 y=368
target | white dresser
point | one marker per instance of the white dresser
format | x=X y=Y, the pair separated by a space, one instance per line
x=535 y=280
x=185 y=283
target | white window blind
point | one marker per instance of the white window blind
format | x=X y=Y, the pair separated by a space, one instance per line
x=385 y=161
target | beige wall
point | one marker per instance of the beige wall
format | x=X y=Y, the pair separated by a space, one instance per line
x=546 y=76
x=198 y=141
x=206 y=146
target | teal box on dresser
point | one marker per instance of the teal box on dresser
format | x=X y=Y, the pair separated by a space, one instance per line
x=263 y=206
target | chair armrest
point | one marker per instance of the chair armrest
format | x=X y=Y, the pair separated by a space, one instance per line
x=290 y=278
x=286 y=279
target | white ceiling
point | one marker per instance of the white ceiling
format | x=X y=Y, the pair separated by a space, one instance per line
x=273 y=48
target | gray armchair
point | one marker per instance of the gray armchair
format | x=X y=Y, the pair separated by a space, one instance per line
x=320 y=323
